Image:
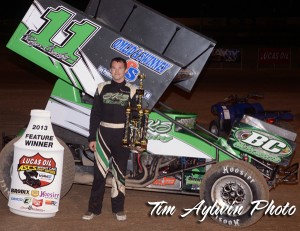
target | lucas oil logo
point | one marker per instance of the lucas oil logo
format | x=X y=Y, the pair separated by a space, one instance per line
x=60 y=36
x=36 y=171
x=262 y=144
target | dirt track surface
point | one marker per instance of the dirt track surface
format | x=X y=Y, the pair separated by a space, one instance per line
x=23 y=87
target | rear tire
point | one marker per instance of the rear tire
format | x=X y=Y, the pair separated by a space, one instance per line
x=234 y=180
x=6 y=161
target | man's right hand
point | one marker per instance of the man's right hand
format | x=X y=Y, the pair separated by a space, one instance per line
x=92 y=145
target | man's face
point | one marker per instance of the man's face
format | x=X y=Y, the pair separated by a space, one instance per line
x=118 y=71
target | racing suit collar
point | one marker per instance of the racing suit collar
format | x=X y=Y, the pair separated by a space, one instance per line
x=118 y=84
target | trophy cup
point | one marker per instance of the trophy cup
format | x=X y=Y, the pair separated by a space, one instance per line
x=136 y=124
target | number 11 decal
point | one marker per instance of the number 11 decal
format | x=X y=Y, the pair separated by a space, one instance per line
x=60 y=36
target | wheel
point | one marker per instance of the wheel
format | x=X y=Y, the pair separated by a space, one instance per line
x=6 y=161
x=234 y=183
x=214 y=127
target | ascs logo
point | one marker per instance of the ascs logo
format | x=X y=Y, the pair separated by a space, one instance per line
x=132 y=70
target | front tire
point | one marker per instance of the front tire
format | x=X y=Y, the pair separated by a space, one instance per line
x=234 y=183
x=6 y=161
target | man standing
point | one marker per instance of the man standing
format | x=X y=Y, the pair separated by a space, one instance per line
x=106 y=132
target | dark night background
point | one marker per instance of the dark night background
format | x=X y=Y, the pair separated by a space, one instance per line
x=236 y=24
x=273 y=22
x=189 y=8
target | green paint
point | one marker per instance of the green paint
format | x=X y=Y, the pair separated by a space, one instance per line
x=60 y=21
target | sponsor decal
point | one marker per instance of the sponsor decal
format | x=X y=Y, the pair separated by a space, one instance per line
x=188 y=122
x=165 y=181
x=37 y=203
x=31 y=208
x=19 y=191
x=132 y=70
x=226 y=55
x=194 y=178
x=16 y=198
x=27 y=200
x=104 y=72
x=261 y=144
x=115 y=98
x=35 y=193
x=274 y=56
x=49 y=195
x=141 y=56
x=50 y=202
x=36 y=171
x=158 y=130
x=60 y=36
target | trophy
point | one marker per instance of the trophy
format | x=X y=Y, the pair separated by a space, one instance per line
x=125 y=140
x=140 y=91
x=136 y=124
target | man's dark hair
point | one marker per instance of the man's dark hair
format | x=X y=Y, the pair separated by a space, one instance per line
x=118 y=59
